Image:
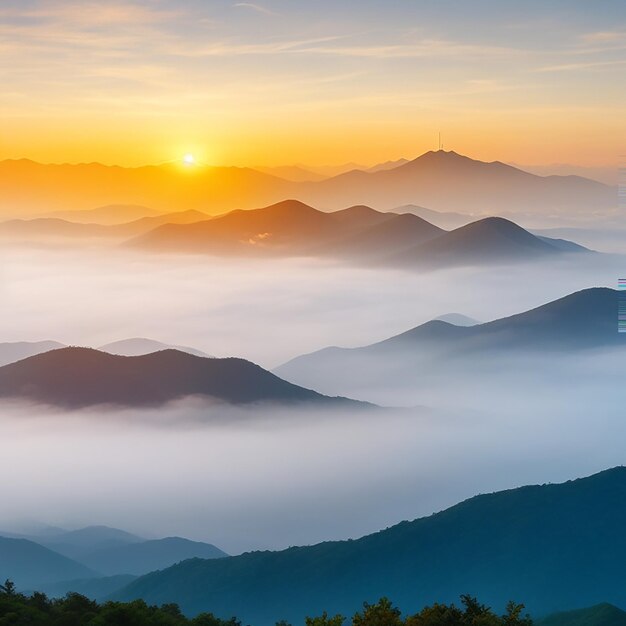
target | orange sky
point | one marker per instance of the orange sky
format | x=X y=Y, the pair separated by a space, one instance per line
x=278 y=82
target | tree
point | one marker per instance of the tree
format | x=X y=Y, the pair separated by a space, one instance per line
x=8 y=588
x=383 y=613
x=436 y=615
x=324 y=620
x=514 y=617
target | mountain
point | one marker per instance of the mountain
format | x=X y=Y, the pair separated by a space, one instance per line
x=556 y=546
x=457 y=319
x=436 y=350
x=443 y=181
x=28 y=188
x=387 y=165
x=94 y=588
x=293 y=173
x=358 y=233
x=289 y=227
x=445 y=220
x=54 y=228
x=599 y=615
x=18 y=350
x=148 y=556
x=105 y=215
x=447 y=181
x=29 y=564
x=487 y=241
x=76 y=544
x=80 y=377
x=137 y=346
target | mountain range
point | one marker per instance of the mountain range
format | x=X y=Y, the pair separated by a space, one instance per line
x=447 y=181
x=29 y=564
x=585 y=320
x=72 y=378
x=556 y=546
x=444 y=181
x=358 y=233
x=95 y=560
x=10 y=352
x=45 y=228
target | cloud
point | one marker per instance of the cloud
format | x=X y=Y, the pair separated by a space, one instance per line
x=255 y=7
x=421 y=49
x=606 y=36
x=572 y=67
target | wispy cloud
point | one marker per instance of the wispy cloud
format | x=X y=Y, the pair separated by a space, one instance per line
x=590 y=65
x=255 y=7
x=424 y=48
x=605 y=36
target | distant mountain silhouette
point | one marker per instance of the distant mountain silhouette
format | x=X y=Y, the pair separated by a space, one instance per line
x=292 y=228
x=557 y=546
x=81 y=377
x=147 y=556
x=95 y=588
x=294 y=173
x=443 y=181
x=490 y=240
x=30 y=188
x=447 y=181
x=599 y=615
x=445 y=220
x=138 y=346
x=584 y=320
x=387 y=165
x=18 y=350
x=76 y=544
x=46 y=228
x=457 y=319
x=29 y=564
x=105 y=215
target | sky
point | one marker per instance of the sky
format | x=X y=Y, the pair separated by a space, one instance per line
x=278 y=82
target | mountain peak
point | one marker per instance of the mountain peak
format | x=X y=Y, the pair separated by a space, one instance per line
x=82 y=377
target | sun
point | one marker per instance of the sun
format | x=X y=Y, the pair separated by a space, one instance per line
x=189 y=159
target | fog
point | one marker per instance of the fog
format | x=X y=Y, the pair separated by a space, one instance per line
x=270 y=478
x=266 y=311
x=250 y=480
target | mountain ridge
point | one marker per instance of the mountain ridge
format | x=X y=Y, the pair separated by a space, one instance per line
x=74 y=378
x=495 y=546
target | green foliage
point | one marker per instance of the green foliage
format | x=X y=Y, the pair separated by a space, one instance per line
x=383 y=613
x=324 y=620
x=17 y=609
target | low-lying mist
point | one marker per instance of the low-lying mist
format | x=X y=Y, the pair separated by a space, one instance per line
x=263 y=478
x=269 y=478
x=266 y=311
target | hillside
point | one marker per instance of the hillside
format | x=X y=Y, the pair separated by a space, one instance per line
x=556 y=546
x=586 y=320
x=147 y=556
x=75 y=544
x=487 y=241
x=80 y=377
x=599 y=615
x=29 y=564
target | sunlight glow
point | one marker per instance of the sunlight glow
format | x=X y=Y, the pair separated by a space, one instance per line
x=189 y=159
